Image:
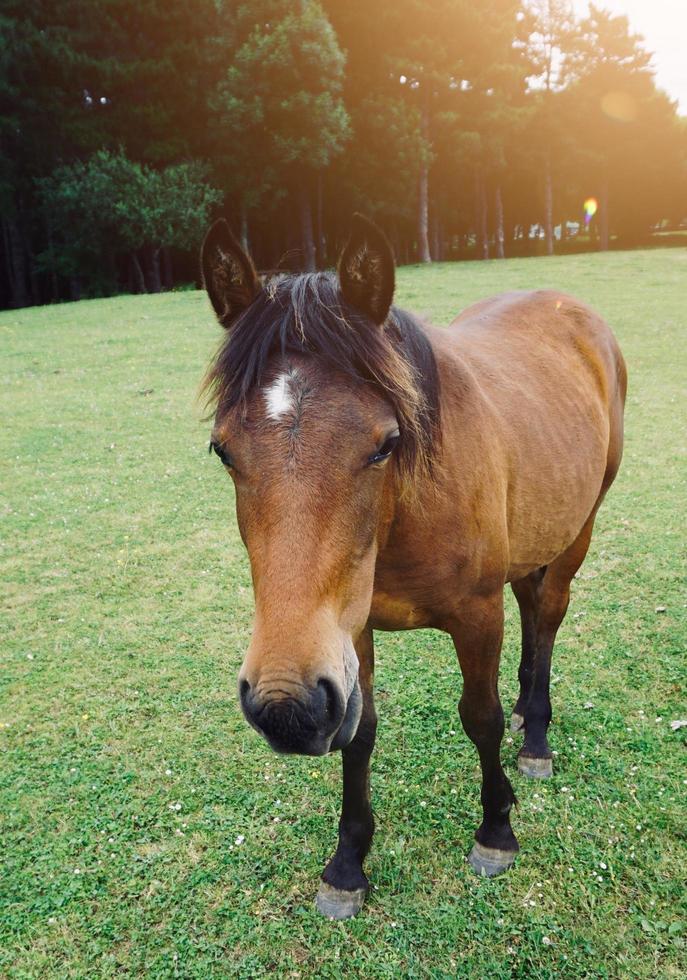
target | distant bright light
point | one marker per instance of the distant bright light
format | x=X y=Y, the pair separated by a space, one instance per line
x=590 y=207
x=403 y=79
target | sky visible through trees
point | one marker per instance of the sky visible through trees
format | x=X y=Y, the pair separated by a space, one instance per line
x=467 y=130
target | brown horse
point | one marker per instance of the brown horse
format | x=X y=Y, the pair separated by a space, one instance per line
x=391 y=475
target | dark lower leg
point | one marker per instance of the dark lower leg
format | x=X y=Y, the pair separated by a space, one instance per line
x=538 y=711
x=526 y=592
x=356 y=826
x=478 y=636
x=484 y=727
x=553 y=606
x=552 y=598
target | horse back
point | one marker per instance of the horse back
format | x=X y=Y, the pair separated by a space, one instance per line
x=539 y=409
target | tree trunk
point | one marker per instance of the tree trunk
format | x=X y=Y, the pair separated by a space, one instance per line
x=16 y=262
x=167 y=272
x=9 y=271
x=423 y=253
x=434 y=235
x=243 y=234
x=308 y=241
x=500 y=236
x=34 y=283
x=319 y=221
x=548 y=206
x=54 y=284
x=137 y=274
x=152 y=260
x=604 y=232
x=481 y=215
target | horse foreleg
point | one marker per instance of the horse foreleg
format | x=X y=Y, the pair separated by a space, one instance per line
x=344 y=883
x=553 y=596
x=478 y=635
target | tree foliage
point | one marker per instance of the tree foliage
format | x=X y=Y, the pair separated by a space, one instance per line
x=462 y=126
x=108 y=206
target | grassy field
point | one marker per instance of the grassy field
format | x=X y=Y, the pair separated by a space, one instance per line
x=147 y=831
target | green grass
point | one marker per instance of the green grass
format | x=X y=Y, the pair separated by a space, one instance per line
x=148 y=832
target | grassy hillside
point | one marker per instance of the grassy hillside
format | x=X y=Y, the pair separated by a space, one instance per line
x=147 y=831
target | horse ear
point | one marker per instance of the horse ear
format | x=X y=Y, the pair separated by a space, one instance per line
x=366 y=270
x=228 y=273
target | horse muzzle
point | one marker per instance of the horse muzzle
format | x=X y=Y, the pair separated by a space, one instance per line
x=304 y=721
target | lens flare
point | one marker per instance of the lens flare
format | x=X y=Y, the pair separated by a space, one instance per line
x=590 y=207
x=620 y=106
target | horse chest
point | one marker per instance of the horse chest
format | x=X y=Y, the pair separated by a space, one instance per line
x=413 y=595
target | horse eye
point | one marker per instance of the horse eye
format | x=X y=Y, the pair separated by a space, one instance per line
x=219 y=450
x=385 y=450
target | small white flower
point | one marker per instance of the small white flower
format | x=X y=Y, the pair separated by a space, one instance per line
x=168 y=772
x=588 y=705
x=239 y=840
x=602 y=865
x=423 y=803
x=77 y=871
x=678 y=723
x=546 y=940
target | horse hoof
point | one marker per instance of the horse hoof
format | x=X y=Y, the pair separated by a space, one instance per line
x=517 y=723
x=535 y=768
x=335 y=903
x=489 y=861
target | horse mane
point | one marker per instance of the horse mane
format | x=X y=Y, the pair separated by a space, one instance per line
x=307 y=314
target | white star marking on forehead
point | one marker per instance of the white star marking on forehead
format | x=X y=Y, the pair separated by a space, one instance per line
x=279 y=397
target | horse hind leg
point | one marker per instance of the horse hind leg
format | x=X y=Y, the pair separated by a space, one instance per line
x=526 y=591
x=543 y=600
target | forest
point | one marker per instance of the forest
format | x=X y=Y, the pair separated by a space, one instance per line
x=468 y=129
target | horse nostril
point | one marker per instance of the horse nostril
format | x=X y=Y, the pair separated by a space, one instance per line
x=245 y=696
x=330 y=702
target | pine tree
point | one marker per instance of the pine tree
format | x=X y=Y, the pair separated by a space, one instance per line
x=280 y=101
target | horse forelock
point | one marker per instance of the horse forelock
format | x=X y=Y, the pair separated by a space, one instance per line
x=306 y=314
